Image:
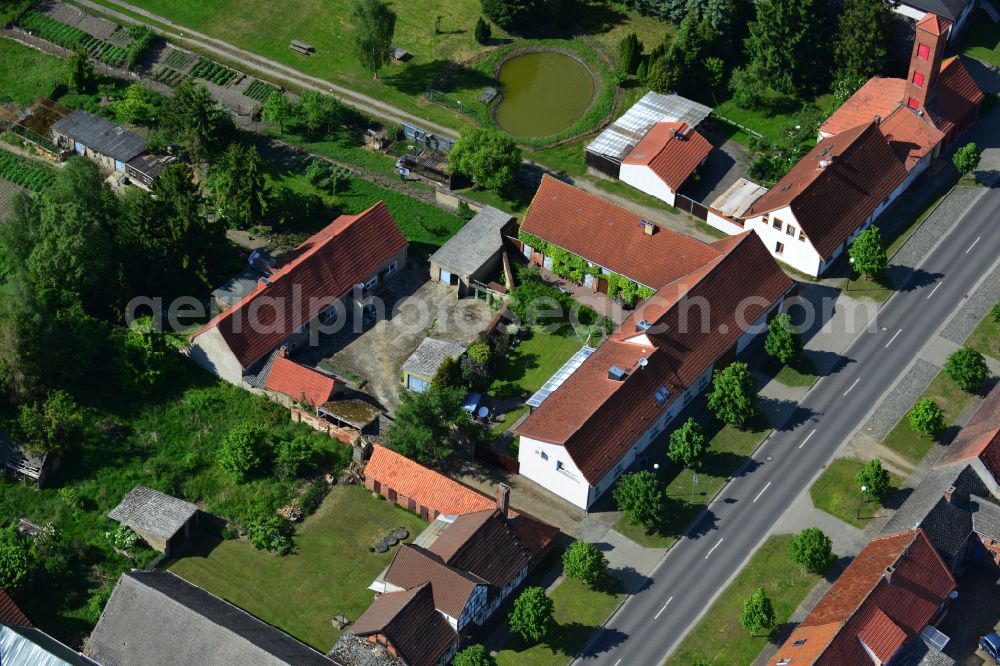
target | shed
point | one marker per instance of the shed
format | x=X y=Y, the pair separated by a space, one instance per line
x=474 y=253
x=419 y=369
x=144 y=169
x=18 y=461
x=164 y=522
x=352 y=413
x=400 y=54
x=100 y=140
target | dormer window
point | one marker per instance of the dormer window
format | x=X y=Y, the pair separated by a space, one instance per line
x=661 y=394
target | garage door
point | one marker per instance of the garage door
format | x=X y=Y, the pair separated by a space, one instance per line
x=445 y=277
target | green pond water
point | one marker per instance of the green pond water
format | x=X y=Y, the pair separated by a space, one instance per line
x=543 y=93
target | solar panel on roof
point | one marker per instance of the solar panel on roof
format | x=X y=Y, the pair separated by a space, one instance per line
x=561 y=375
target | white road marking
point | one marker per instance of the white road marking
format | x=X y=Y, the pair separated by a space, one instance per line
x=852 y=386
x=807 y=438
x=713 y=548
x=618 y=662
x=933 y=290
x=973 y=244
x=893 y=338
x=657 y=616
x=761 y=492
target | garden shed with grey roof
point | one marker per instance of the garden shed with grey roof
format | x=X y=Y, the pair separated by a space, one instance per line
x=474 y=253
x=100 y=140
x=164 y=522
x=419 y=369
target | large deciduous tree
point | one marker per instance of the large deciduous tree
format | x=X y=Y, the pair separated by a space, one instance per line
x=926 y=417
x=488 y=156
x=374 y=25
x=874 y=478
x=966 y=158
x=642 y=497
x=687 y=445
x=277 y=109
x=867 y=253
x=585 y=562
x=734 y=394
x=533 y=614
x=812 y=549
x=757 y=613
x=967 y=368
x=782 y=341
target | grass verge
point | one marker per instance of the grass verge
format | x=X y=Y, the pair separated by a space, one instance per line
x=986 y=337
x=837 y=493
x=718 y=638
x=952 y=400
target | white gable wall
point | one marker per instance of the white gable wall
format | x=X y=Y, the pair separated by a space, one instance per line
x=797 y=253
x=210 y=351
x=642 y=178
x=538 y=462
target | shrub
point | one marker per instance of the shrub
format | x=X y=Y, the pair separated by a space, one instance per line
x=123 y=538
x=15 y=559
x=295 y=458
x=70 y=497
x=268 y=531
x=243 y=451
x=483 y=31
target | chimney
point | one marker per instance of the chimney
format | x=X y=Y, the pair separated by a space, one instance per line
x=283 y=352
x=929 y=44
x=949 y=495
x=648 y=227
x=889 y=571
x=878 y=119
x=503 y=498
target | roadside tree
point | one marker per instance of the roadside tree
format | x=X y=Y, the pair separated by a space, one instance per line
x=474 y=655
x=583 y=561
x=734 y=395
x=926 y=417
x=642 y=497
x=782 y=341
x=867 y=253
x=966 y=158
x=812 y=549
x=874 y=478
x=758 y=612
x=532 y=615
x=687 y=445
x=967 y=368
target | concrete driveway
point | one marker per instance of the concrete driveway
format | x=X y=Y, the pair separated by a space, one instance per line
x=415 y=308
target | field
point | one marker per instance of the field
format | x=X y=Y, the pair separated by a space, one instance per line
x=27 y=173
x=328 y=574
x=718 y=638
x=15 y=59
x=837 y=492
x=70 y=37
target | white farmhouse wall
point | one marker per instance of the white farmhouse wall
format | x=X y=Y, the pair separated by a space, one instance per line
x=723 y=223
x=210 y=351
x=797 y=253
x=538 y=461
x=642 y=178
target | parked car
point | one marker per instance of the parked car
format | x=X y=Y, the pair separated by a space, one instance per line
x=990 y=644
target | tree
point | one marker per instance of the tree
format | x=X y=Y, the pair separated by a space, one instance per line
x=136 y=105
x=868 y=253
x=926 y=417
x=15 y=559
x=864 y=33
x=687 y=445
x=243 y=451
x=746 y=86
x=296 y=457
x=509 y=14
x=532 y=615
x=79 y=72
x=188 y=242
x=423 y=423
x=193 y=120
x=483 y=31
x=237 y=179
x=812 y=549
x=715 y=71
x=145 y=358
x=642 y=497
x=585 y=562
x=874 y=478
x=967 y=368
x=758 y=613
x=320 y=113
x=966 y=158
x=448 y=375
x=629 y=53
x=995 y=313
x=52 y=426
x=734 y=395
x=277 y=110
x=844 y=87
x=374 y=24
x=785 y=43
x=474 y=655
x=782 y=342
x=488 y=156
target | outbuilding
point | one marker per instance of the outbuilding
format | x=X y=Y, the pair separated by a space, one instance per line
x=97 y=139
x=420 y=368
x=164 y=522
x=475 y=253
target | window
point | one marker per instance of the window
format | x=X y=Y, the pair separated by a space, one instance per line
x=559 y=465
x=331 y=315
x=918 y=79
x=923 y=51
x=542 y=454
x=776 y=223
x=799 y=643
x=391 y=269
x=371 y=283
x=661 y=394
x=790 y=230
x=784 y=661
x=802 y=235
x=912 y=103
x=416 y=384
x=779 y=248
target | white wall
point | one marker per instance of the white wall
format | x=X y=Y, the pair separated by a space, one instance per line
x=210 y=351
x=642 y=178
x=538 y=462
x=723 y=224
x=799 y=254
x=910 y=12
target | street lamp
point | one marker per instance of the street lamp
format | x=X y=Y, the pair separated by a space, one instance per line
x=861 y=501
x=694 y=480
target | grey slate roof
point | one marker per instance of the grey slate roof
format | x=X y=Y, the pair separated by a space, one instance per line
x=152 y=511
x=100 y=135
x=430 y=354
x=159 y=619
x=985 y=517
x=949 y=9
x=475 y=244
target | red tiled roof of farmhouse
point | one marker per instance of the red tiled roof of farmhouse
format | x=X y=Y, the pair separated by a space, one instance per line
x=596 y=418
x=410 y=623
x=318 y=272
x=610 y=236
x=672 y=150
x=878 y=97
x=870 y=604
x=836 y=185
x=911 y=136
x=980 y=438
x=957 y=95
x=299 y=382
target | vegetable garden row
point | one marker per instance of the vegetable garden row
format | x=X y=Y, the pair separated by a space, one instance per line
x=25 y=172
x=213 y=71
x=69 y=37
x=259 y=90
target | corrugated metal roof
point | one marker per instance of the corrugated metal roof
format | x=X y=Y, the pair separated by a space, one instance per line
x=100 y=135
x=27 y=646
x=621 y=136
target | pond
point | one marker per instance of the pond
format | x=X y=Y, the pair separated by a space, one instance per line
x=543 y=93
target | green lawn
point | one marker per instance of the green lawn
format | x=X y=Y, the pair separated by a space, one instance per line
x=986 y=337
x=799 y=373
x=981 y=39
x=912 y=445
x=529 y=366
x=718 y=638
x=837 y=493
x=874 y=289
x=16 y=60
x=579 y=611
x=328 y=573
x=774 y=117
x=728 y=448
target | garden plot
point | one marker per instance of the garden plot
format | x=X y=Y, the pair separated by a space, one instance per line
x=88 y=23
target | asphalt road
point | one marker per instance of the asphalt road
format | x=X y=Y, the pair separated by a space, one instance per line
x=651 y=623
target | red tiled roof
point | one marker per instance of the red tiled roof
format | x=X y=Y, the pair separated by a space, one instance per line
x=299 y=382
x=672 y=150
x=911 y=136
x=831 y=201
x=423 y=485
x=10 y=613
x=322 y=269
x=597 y=419
x=877 y=97
x=934 y=24
x=864 y=605
x=956 y=95
x=610 y=236
x=980 y=438
x=410 y=623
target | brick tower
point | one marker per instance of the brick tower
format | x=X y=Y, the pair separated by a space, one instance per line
x=928 y=49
